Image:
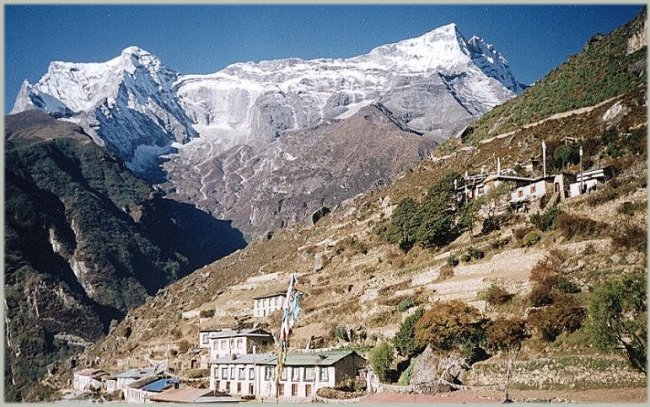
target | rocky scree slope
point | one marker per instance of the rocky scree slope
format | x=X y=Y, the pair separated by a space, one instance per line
x=146 y=113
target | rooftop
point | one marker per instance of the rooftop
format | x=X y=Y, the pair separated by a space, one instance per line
x=311 y=359
x=231 y=333
x=249 y=358
x=160 y=384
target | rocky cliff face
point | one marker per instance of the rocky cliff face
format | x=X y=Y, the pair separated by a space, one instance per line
x=85 y=241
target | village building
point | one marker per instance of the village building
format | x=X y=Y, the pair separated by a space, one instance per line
x=267 y=304
x=236 y=374
x=88 y=379
x=142 y=390
x=238 y=342
x=304 y=373
x=540 y=192
x=121 y=380
x=590 y=181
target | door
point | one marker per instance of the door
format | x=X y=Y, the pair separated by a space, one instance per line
x=308 y=390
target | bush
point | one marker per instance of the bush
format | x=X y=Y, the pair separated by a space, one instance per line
x=563 y=316
x=567 y=286
x=405 y=377
x=519 y=233
x=495 y=295
x=531 y=238
x=490 y=224
x=475 y=253
x=452 y=260
x=341 y=332
x=540 y=295
x=206 y=313
x=505 y=334
x=547 y=220
x=406 y=303
x=404 y=339
x=630 y=237
x=445 y=273
x=450 y=325
x=465 y=257
x=381 y=359
x=183 y=346
x=572 y=225
x=545 y=272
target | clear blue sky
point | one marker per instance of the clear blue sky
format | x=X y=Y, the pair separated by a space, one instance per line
x=206 y=38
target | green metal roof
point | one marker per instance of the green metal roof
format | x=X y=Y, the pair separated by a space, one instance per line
x=310 y=358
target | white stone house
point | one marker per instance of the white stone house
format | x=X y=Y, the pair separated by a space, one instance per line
x=266 y=304
x=236 y=374
x=305 y=373
x=120 y=380
x=88 y=379
x=590 y=181
x=238 y=342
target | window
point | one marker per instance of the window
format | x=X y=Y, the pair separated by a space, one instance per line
x=532 y=188
x=557 y=187
x=295 y=374
x=268 y=372
x=251 y=373
x=224 y=372
x=520 y=193
x=294 y=390
x=283 y=374
x=232 y=344
x=227 y=387
x=239 y=388
x=308 y=390
x=232 y=372
x=280 y=389
x=324 y=374
x=310 y=374
x=240 y=343
x=251 y=389
x=204 y=339
x=223 y=344
x=480 y=190
x=242 y=373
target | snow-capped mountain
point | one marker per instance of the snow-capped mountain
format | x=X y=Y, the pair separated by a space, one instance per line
x=432 y=85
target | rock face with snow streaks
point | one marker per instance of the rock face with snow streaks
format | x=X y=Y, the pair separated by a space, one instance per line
x=145 y=113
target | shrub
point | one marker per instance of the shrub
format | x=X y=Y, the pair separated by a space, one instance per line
x=563 y=316
x=567 y=286
x=519 y=233
x=445 y=273
x=618 y=317
x=475 y=253
x=505 y=334
x=490 y=224
x=572 y=225
x=450 y=325
x=540 y=295
x=406 y=303
x=183 y=346
x=545 y=272
x=495 y=295
x=197 y=373
x=531 y=238
x=630 y=237
x=465 y=257
x=176 y=333
x=404 y=339
x=547 y=220
x=452 y=260
x=381 y=359
x=206 y=313
x=405 y=377
x=341 y=332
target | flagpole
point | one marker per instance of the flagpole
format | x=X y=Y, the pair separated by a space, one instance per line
x=582 y=181
x=544 y=157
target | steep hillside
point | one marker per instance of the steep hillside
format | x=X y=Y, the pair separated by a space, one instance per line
x=85 y=241
x=607 y=67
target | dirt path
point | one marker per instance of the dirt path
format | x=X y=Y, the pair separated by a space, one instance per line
x=617 y=395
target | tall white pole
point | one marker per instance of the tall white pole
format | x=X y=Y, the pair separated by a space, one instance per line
x=544 y=157
x=582 y=181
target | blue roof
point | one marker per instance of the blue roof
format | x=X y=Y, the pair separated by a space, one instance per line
x=160 y=384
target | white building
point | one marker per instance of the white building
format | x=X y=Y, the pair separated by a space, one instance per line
x=88 y=379
x=304 y=373
x=539 y=188
x=142 y=390
x=236 y=374
x=589 y=181
x=238 y=342
x=266 y=304
x=121 y=380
